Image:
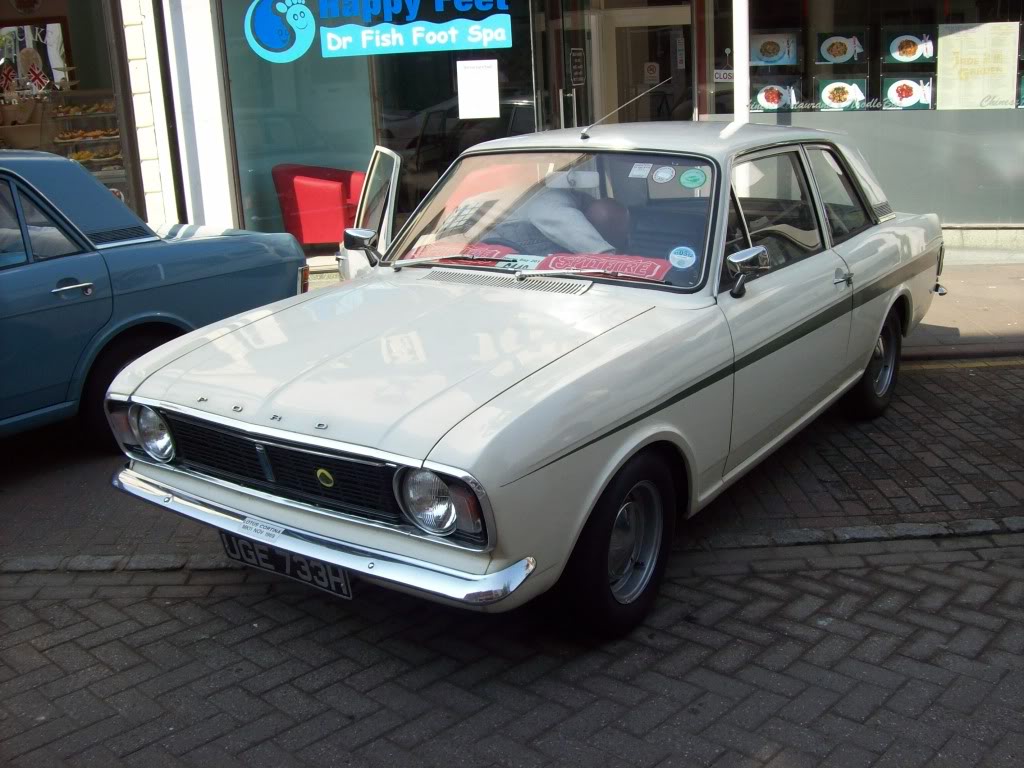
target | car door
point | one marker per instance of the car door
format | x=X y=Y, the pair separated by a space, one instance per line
x=376 y=209
x=790 y=327
x=54 y=296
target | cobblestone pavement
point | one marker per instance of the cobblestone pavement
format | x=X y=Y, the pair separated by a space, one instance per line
x=950 y=450
x=897 y=654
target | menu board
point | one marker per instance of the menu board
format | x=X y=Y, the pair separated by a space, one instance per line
x=768 y=49
x=908 y=46
x=841 y=47
x=841 y=95
x=775 y=94
x=977 y=66
x=908 y=91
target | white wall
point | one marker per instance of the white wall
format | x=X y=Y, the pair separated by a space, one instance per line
x=197 y=83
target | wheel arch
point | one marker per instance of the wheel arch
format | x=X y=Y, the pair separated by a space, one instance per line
x=903 y=305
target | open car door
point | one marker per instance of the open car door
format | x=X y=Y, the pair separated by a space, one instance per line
x=376 y=209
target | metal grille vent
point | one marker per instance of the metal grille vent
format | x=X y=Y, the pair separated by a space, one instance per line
x=491 y=280
x=883 y=209
x=104 y=236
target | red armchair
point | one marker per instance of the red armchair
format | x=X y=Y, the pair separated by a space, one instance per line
x=317 y=204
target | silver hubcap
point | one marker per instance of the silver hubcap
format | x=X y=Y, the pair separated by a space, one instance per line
x=635 y=542
x=883 y=361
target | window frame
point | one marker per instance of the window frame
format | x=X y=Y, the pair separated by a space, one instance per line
x=796 y=149
x=858 y=194
x=19 y=188
x=724 y=284
x=26 y=245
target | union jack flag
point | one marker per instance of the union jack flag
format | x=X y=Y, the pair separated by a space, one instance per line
x=37 y=78
x=7 y=79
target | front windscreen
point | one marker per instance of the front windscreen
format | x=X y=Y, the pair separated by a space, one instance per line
x=613 y=215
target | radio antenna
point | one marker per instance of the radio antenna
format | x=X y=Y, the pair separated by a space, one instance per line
x=584 y=134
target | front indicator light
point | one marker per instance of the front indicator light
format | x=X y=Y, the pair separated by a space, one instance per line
x=152 y=433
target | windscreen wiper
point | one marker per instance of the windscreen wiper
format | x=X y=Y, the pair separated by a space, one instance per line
x=397 y=265
x=523 y=274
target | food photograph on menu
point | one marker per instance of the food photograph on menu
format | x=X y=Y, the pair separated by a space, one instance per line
x=769 y=49
x=778 y=94
x=846 y=47
x=841 y=95
x=910 y=91
x=907 y=46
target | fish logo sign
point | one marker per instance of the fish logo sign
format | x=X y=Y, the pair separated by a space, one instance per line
x=279 y=32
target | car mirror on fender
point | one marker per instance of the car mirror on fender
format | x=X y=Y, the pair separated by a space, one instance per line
x=744 y=264
x=362 y=240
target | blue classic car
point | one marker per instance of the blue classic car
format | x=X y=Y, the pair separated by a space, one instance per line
x=86 y=287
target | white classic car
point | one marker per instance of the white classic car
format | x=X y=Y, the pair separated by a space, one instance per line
x=574 y=341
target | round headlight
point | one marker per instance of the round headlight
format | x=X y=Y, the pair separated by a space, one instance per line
x=428 y=502
x=152 y=433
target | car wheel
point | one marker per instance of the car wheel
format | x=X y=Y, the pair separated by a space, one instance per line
x=612 y=578
x=871 y=395
x=111 y=362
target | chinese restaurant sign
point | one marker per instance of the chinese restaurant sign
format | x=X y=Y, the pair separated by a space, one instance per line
x=281 y=31
x=977 y=66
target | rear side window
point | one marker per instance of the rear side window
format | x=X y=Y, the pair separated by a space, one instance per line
x=12 y=244
x=843 y=208
x=776 y=203
x=48 y=241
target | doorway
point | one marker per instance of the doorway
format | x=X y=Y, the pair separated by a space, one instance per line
x=592 y=59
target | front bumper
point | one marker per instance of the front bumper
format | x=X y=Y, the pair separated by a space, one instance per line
x=394 y=571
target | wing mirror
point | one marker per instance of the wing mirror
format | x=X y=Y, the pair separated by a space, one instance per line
x=362 y=240
x=745 y=264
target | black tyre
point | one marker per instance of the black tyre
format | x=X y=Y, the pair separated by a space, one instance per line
x=612 y=578
x=111 y=362
x=872 y=394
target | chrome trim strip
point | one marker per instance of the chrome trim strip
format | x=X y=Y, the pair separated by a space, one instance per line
x=119 y=243
x=379 y=567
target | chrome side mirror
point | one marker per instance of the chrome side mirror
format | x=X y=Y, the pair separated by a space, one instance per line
x=745 y=264
x=362 y=240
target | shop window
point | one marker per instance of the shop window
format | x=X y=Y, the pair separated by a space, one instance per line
x=47 y=239
x=12 y=244
x=843 y=209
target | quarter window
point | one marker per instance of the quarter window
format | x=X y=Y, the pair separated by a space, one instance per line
x=735 y=241
x=48 y=241
x=12 y=244
x=843 y=209
x=777 y=207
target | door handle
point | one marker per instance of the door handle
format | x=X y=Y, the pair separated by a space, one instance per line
x=843 y=277
x=85 y=287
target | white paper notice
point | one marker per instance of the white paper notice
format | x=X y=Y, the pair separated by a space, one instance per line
x=478 y=88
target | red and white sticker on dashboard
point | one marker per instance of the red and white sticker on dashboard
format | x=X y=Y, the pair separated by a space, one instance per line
x=639 y=266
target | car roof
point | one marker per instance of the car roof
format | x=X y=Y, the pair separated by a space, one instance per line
x=719 y=140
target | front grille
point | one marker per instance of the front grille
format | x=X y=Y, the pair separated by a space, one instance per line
x=360 y=487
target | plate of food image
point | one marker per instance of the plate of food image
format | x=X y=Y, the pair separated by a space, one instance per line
x=773 y=97
x=837 y=50
x=904 y=93
x=837 y=95
x=770 y=50
x=906 y=48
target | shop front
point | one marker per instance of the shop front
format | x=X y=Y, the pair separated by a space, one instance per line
x=62 y=74
x=312 y=85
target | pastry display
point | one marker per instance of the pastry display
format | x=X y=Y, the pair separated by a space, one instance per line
x=79 y=110
x=93 y=135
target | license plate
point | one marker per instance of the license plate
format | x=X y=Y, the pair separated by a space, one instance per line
x=309 y=570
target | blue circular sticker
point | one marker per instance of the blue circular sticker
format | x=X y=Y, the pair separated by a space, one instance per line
x=693 y=178
x=682 y=257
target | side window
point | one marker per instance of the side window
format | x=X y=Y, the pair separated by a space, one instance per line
x=843 y=209
x=777 y=207
x=48 y=241
x=735 y=241
x=12 y=244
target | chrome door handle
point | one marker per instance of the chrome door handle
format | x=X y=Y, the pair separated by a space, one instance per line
x=85 y=287
x=843 y=277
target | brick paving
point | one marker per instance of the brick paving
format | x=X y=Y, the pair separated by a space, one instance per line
x=863 y=654
x=950 y=450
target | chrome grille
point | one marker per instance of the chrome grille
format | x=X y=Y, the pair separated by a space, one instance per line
x=571 y=287
x=359 y=486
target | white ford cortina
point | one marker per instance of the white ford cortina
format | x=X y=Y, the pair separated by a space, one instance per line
x=574 y=341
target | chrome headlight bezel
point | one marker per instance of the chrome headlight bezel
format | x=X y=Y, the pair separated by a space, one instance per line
x=465 y=512
x=138 y=412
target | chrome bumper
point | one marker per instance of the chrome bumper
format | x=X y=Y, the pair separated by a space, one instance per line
x=388 y=570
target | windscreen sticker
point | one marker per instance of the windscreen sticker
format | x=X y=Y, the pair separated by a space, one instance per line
x=519 y=262
x=640 y=266
x=693 y=178
x=641 y=170
x=682 y=257
x=664 y=174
